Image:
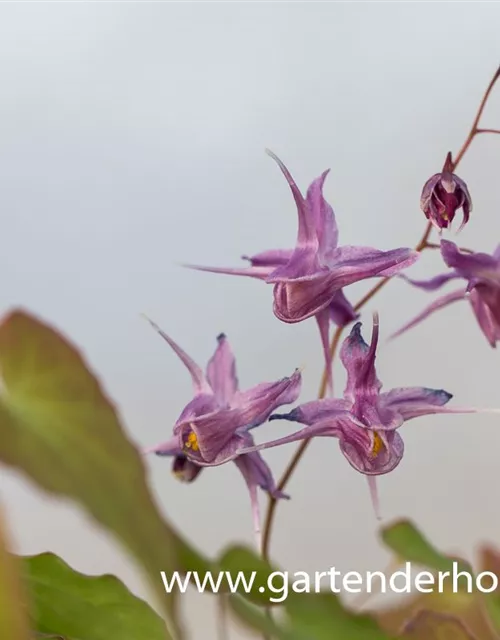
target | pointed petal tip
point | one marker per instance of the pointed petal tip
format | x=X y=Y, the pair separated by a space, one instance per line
x=280 y=416
x=272 y=155
x=446 y=395
x=279 y=495
x=372 y=485
x=356 y=328
x=151 y=322
x=355 y=333
x=448 y=163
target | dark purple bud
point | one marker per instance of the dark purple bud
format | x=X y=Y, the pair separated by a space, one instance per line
x=443 y=195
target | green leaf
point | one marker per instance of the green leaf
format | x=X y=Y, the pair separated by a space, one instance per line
x=321 y=616
x=243 y=562
x=255 y=619
x=490 y=561
x=410 y=545
x=13 y=619
x=309 y=616
x=70 y=604
x=58 y=426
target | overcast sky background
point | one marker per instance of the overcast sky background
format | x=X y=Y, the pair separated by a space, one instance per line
x=132 y=140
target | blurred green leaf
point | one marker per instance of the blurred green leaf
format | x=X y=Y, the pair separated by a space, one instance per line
x=410 y=545
x=309 y=616
x=492 y=604
x=70 y=604
x=13 y=619
x=238 y=560
x=489 y=559
x=322 y=617
x=58 y=426
x=256 y=619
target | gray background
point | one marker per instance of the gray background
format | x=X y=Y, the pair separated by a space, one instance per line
x=132 y=140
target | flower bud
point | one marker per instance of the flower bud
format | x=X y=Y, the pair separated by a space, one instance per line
x=443 y=194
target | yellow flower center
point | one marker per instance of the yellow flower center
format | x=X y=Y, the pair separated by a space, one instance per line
x=377 y=445
x=192 y=442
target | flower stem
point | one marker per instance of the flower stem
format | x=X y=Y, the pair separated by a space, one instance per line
x=421 y=246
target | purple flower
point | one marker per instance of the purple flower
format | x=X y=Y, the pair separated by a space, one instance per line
x=309 y=279
x=442 y=195
x=365 y=421
x=214 y=426
x=481 y=271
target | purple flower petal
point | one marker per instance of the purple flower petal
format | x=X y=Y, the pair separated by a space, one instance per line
x=363 y=386
x=469 y=265
x=330 y=427
x=485 y=318
x=170 y=447
x=382 y=455
x=341 y=310
x=307 y=235
x=412 y=402
x=258 y=272
x=257 y=472
x=256 y=404
x=368 y=263
x=215 y=437
x=212 y=440
x=440 y=303
x=199 y=406
x=304 y=298
x=272 y=258
x=324 y=219
x=199 y=381
x=315 y=411
x=490 y=295
x=427 y=190
x=372 y=485
x=434 y=283
x=221 y=372
x=302 y=291
x=359 y=361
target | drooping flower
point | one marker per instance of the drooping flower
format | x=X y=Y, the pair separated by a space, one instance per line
x=443 y=194
x=365 y=421
x=481 y=271
x=214 y=426
x=309 y=279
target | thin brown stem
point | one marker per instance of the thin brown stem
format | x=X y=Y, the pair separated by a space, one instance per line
x=421 y=246
x=487 y=130
x=474 y=129
x=271 y=509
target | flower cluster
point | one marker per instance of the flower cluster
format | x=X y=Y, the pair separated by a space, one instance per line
x=308 y=281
